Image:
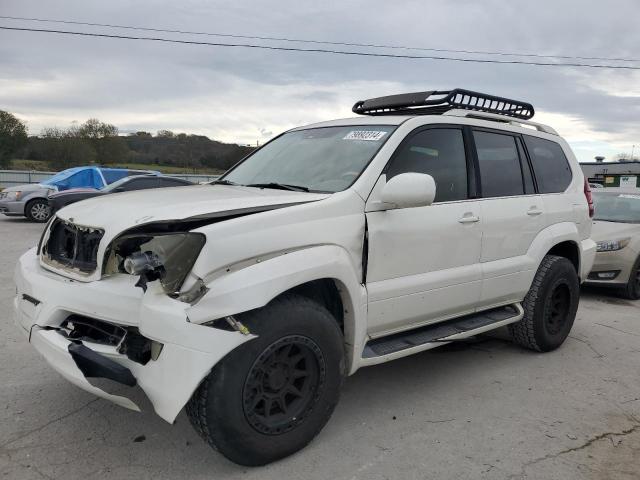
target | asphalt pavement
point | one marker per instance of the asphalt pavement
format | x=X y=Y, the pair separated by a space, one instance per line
x=479 y=410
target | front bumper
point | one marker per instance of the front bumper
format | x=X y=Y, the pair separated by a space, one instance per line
x=12 y=208
x=44 y=300
x=620 y=261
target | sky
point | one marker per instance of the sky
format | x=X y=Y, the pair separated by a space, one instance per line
x=246 y=95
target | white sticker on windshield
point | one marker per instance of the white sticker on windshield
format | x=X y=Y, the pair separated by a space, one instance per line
x=368 y=135
x=624 y=195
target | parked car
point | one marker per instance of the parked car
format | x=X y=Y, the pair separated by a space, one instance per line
x=430 y=218
x=30 y=200
x=126 y=184
x=616 y=230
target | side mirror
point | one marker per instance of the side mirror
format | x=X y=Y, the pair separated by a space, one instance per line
x=409 y=190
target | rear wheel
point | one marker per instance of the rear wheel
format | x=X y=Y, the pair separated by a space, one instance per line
x=550 y=306
x=38 y=210
x=269 y=397
x=632 y=289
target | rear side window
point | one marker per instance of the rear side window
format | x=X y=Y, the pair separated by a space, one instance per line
x=550 y=165
x=499 y=162
x=440 y=153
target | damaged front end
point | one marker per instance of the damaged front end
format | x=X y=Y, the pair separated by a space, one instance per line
x=109 y=336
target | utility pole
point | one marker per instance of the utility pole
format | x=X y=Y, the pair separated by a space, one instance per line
x=633 y=147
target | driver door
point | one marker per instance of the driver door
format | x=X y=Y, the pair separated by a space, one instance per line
x=424 y=262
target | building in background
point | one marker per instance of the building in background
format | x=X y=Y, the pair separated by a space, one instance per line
x=613 y=174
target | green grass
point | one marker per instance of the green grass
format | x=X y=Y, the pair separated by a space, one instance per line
x=42 y=165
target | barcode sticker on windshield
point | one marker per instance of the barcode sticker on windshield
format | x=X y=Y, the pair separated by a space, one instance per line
x=368 y=135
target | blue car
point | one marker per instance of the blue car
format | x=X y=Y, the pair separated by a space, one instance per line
x=30 y=200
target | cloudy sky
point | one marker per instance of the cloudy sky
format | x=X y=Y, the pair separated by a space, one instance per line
x=248 y=95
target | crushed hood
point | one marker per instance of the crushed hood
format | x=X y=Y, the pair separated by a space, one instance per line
x=613 y=230
x=115 y=213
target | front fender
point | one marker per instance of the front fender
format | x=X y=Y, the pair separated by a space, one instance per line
x=258 y=283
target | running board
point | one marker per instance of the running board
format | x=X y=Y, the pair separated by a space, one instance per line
x=431 y=336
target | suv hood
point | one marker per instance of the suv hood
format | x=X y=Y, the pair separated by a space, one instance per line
x=613 y=230
x=115 y=213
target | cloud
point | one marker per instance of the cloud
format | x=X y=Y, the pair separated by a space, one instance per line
x=245 y=95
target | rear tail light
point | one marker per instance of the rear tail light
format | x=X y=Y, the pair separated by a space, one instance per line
x=589 y=197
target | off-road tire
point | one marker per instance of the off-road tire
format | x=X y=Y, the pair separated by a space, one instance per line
x=219 y=410
x=632 y=289
x=34 y=208
x=549 y=307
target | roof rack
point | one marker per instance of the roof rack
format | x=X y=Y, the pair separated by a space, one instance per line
x=440 y=101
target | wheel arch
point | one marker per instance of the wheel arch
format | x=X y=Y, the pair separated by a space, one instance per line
x=323 y=273
x=568 y=249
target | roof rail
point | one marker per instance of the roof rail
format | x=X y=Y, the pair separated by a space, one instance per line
x=438 y=102
x=541 y=127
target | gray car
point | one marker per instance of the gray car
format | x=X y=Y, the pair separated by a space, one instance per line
x=28 y=200
x=31 y=200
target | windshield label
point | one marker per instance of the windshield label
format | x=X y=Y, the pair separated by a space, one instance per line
x=368 y=135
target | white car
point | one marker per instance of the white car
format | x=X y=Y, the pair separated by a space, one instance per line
x=429 y=218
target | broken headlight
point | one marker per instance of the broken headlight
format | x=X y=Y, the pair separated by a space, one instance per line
x=167 y=257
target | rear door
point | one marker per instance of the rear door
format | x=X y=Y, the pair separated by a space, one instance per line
x=513 y=215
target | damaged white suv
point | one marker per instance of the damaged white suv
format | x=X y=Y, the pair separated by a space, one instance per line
x=430 y=218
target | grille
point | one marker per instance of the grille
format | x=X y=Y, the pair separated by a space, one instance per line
x=72 y=246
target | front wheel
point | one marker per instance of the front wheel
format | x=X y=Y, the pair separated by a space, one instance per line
x=38 y=210
x=550 y=306
x=271 y=396
x=632 y=288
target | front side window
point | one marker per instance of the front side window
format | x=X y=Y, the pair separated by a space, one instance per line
x=440 y=153
x=325 y=159
x=500 y=171
x=550 y=164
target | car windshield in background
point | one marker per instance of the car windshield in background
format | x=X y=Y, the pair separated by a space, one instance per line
x=114 y=185
x=617 y=206
x=325 y=159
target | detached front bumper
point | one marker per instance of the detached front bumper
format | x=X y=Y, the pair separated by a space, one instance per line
x=44 y=300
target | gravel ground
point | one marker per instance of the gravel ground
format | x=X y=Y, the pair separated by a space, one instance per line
x=478 y=410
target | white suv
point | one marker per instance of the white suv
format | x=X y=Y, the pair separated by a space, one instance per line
x=430 y=218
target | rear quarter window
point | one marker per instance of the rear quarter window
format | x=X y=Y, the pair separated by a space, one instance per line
x=550 y=165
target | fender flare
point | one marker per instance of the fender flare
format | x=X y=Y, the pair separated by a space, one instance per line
x=255 y=285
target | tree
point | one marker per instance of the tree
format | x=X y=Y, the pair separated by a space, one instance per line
x=13 y=136
x=64 y=148
x=109 y=147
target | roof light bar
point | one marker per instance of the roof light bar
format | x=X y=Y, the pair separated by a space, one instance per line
x=440 y=101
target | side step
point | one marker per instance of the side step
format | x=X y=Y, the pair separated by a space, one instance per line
x=431 y=336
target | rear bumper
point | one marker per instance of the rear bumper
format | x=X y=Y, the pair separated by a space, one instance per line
x=587 y=257
x=44 y=300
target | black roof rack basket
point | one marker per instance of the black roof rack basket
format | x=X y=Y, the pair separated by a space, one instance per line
x=438 y=102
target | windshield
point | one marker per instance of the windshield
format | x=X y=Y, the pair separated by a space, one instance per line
x=114 y=185
x=617 y=207
x=325 y=159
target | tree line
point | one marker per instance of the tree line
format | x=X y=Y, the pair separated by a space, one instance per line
x=96 y=142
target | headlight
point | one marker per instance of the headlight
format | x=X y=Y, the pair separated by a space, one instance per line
x=612 y=245
x=13 y=196
x=168 y=257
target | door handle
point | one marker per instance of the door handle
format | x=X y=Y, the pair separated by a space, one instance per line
x=469 y=218
x=533 y=211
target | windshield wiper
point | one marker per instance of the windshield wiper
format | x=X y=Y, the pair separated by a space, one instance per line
x=280 y=186
x=223 y=182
